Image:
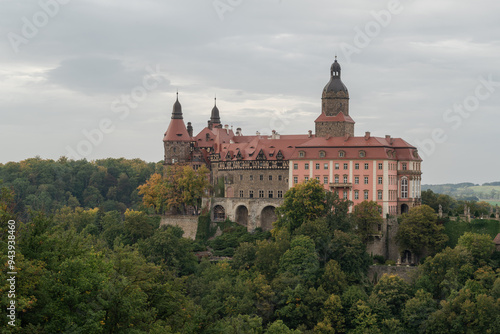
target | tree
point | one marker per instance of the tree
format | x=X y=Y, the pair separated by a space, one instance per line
x=304 y=202
x=368 y=219
x=419 y=231
x=417 y=310
x=154 y=193
x=394 y=291
x=181 y=187
x=480 y=246
x=301 y=259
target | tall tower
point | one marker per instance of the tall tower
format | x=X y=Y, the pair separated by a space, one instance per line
x=176 y=141
x=334 y=120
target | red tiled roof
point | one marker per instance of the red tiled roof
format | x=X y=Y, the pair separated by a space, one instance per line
x=340 y=117
x=176 y=131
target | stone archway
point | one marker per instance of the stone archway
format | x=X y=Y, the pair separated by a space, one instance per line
x=404 y=208
x=242 y=215
x=267 y=217
x=219 y=213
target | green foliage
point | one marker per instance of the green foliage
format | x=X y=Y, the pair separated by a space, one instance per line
x=392 y=290
x=308 y=202
x=367 y=217
x=480 y=246
x=419 y=231
x=301 y=259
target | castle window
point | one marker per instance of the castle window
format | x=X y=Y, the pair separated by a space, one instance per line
x=261 y=177
x=356 y=194
x=317 y=166
x=404 y=188
x=325 y=179
x=241 y=193
x=270 y=177
x=250 y=194
x=280 y=178
x=261 y=193
x=251 y=177
x=366 y=194
x=295 y=166
x=317 y=178
x=345 y=194
x=271 y=194
x=380 y=166
x=306 y=166
x=356 y=180
x=325 y=166
x=302 y=154
x=356 y=166
x=207 y=137
x=174 y=149
x=366 y=179
x=241 y=177
x=219 y=213
x=405 y=166
x=367 y=166
x=306 y=178
x=346 y=166
x=336 y=179
x=362 y=154
x=322 y=154
x=379 y=194
x=280 y=193
x=341 y=154
x=337 y=166
x=345 y=178
x=380 y=179
x=295 y=179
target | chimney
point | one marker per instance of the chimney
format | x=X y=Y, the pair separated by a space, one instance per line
x=257 y=133
x=238 y=132
x=389 y=139
x=367 y=135
x=346 y=137
x=190 y=129
x=309 y=133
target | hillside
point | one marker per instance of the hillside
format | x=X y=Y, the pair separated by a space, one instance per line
x=489 y=192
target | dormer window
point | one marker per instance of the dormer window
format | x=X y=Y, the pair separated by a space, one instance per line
x=362 y=154
x=322 y=154
x=341 y=154
x=279 y=156
x=302 y=154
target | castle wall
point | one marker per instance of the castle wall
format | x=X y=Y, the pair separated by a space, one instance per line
x=189 y=224
x=259 y=214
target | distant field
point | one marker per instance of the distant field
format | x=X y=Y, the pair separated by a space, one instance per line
x=483 y=189
x=493 y=202
x=454 y=229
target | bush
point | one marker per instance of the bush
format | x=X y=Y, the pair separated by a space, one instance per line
x=378 y=259
x=390 y=263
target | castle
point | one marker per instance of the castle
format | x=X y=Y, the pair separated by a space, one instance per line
x=251 y=174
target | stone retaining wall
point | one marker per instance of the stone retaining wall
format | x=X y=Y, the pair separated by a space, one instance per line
x=189 y=224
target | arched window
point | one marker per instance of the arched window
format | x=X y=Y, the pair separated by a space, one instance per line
x=341 y=154
x=219 y=213
x=404 y=188
x=322 y=154
x=302 y=154
x=362 y=154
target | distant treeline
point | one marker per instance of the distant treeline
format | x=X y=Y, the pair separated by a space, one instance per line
x=48 y=185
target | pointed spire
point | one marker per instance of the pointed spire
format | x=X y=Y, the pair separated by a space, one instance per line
x=177 y=109
x=214 y=117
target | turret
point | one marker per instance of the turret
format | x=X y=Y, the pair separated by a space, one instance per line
x=176 y=140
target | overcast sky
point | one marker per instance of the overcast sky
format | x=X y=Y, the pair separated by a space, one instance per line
x=97 y=79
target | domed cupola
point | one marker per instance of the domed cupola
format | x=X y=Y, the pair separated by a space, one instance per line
x=335 y=85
